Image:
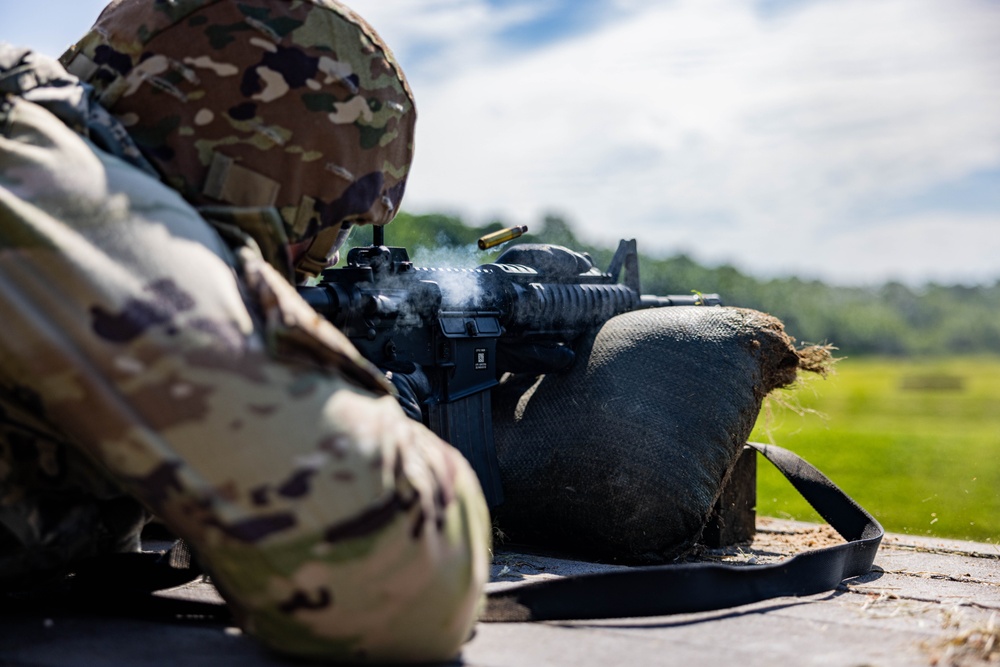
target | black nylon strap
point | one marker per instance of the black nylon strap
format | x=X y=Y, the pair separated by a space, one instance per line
x=137 y=573
x=694 y=587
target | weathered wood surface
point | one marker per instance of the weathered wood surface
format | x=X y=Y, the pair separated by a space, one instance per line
x=929 y=602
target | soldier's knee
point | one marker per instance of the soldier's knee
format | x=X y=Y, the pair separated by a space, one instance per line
x=402 y=582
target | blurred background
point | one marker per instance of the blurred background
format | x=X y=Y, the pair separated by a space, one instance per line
x=835 y=163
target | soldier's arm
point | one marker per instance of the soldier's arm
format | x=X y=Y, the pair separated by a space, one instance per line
x=334 y=526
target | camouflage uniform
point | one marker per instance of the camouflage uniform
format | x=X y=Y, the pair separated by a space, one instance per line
x=144 y=358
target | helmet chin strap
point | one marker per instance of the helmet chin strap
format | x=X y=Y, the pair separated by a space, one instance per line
x=317 y=257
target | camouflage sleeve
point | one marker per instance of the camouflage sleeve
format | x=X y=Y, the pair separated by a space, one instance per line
x=334 y=526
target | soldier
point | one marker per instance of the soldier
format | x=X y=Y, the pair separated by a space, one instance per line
x=155 y=356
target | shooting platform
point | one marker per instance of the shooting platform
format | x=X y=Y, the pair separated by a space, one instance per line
x=928 y=602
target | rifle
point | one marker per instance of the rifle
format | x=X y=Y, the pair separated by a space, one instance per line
x=463 y=328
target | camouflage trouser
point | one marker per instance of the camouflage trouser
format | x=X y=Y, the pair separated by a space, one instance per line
x=142 y=359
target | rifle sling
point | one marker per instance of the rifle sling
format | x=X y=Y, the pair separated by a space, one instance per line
x=627 y=593
x=695 y=587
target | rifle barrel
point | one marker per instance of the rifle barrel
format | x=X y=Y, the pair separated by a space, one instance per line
x=651 y=301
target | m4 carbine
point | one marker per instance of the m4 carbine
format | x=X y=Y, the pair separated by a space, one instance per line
x=460 y=330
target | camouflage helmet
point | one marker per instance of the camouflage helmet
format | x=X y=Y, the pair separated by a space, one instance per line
x=291 y=104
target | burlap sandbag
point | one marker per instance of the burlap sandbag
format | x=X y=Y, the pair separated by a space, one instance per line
x=624 y=455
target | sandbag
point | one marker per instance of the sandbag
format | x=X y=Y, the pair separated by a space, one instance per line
x=623 y=456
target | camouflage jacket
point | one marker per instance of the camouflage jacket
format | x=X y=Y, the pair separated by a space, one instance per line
x=146 y=364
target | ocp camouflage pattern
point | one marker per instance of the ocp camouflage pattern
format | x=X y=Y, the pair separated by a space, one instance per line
x=143 y=358
x=295 y=104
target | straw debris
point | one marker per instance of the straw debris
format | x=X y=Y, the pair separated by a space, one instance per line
x=978 y=645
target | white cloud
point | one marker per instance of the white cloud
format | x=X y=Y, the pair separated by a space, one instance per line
x=913 y=249
x=700 y=125
x=444 y=36
x=776 y=143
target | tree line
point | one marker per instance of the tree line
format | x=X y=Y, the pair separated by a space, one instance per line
x=892 y=319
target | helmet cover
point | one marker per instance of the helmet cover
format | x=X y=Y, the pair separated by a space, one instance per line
x=292 y=104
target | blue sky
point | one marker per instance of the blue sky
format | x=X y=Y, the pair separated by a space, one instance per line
x=855 y=141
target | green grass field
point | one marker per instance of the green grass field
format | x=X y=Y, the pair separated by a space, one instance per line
x=916 y=443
